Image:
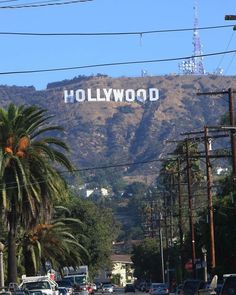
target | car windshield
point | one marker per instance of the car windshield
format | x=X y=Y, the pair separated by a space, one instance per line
x=107 y=285
x=36 y=285
x=62 y=291
x=229 y=287
x=191 y=286
x=35 y=293
x=65 y=283
x=78 y=279
x=158 y=285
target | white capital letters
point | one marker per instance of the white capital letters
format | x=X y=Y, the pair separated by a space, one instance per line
x=69 y=98
x=80 y=95
x=129 y=95
x=118 y=94
x=142 y=94
x=99 y=98
x=90 y=98
x=107 y=93
x=153 y=94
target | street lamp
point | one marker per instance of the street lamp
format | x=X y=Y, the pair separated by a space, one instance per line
x=1 y=266
x=204 y=251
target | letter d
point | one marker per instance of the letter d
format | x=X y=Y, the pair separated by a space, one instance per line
x=153 y=94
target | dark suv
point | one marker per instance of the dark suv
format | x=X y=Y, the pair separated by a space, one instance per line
x=229 y=285
x=191 y=287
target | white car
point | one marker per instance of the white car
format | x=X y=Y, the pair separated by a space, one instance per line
x=107 y=288
x=93 y=286
x=39 y=283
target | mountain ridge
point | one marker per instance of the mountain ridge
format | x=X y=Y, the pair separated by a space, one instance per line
x=102 y=133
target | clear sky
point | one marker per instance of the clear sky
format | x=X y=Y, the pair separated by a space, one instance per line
x=20 y=53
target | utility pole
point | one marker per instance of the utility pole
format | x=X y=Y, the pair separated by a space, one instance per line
x=180 y=223
x=232 y=132
x=165 y=220
x=171 y=208
x=209 y=196
x=152 y=221
x=190 y=203
x=208 y=156
x=161 y=249
x=230 y=93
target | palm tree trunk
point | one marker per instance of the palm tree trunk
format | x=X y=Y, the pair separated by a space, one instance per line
x=29 y=265
x=12 y=264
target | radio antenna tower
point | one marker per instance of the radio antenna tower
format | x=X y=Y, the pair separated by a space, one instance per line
x=194 y=65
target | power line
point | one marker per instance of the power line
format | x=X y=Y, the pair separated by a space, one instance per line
x=114 y=64
x=43 y=4
x=100 y=168
x=227 y=47
x=112 y=33
x=8 y=1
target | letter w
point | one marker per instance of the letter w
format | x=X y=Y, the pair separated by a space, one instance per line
x=118 y=94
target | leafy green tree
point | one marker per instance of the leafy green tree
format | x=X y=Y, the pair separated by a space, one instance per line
x=225 y=234
x=100 y=231
x=29 y=181
x=147 y=260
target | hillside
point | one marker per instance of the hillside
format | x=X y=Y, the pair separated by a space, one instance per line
x=101 y=133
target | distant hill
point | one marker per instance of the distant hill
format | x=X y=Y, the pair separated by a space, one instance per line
x=102 y=133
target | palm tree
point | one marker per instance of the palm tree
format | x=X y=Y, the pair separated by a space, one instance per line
x=29 y=176
x=54 y=243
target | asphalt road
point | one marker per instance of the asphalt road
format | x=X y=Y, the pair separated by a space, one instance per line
x=120 y=291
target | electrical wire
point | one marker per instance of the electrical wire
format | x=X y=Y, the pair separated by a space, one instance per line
x=42 y=5
x=101 y=168
x=5 y=1
x=230 y=63
x=139 y=33
x=221 y=82
x=115 y=63
x=227 y=47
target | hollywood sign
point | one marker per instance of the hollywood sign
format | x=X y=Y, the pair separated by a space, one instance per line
x=110 y=94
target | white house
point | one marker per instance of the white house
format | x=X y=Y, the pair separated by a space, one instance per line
x=123 y=267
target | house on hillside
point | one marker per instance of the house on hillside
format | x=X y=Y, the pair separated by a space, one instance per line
x=122 y=269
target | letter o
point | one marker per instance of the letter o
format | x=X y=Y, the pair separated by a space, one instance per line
x=129 y=95
x=80 y=95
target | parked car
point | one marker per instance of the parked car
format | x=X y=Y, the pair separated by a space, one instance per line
x=90 y=289
x=157 y=287
x=147 y=287
x=62 y=291
x=218 y=289
x=35 y=292
x=66 y=283
x=229 y=285
x=129 y=288
x=162 y=290
x=107 y=288
x=39 y=283
x=142 y=287
x=191 y=286
x=98 y=285
x=94 y=287
x=179 y=289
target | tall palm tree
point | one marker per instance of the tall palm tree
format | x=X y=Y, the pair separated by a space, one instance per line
x=54 y=243
x=29 y=176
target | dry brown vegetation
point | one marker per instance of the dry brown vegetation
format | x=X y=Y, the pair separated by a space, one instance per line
x=100 y=133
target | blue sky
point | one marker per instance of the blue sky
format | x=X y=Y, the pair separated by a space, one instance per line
x=32 y=53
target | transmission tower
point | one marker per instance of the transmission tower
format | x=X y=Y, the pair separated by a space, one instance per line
x=194 y=65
